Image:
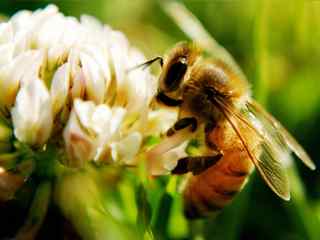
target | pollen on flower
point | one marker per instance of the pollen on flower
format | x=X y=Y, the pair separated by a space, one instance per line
x=64 y=82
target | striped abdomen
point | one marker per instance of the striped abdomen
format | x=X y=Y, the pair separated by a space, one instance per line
x=214 y=188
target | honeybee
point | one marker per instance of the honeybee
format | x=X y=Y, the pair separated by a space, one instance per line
x=215 y=101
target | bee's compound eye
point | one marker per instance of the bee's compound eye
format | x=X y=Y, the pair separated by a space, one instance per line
x=175 y=74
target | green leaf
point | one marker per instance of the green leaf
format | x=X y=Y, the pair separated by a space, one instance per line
x=9 y=160
x=5 y=133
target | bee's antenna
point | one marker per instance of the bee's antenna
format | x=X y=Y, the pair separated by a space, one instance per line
x=147 y=64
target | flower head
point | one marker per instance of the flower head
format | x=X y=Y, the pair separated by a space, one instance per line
x=65 y=82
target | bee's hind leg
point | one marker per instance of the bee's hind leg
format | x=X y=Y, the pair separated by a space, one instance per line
x=182 y=124
x=196 y=165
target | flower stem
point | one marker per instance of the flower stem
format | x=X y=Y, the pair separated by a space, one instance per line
x=80 y=200
x=37 y=212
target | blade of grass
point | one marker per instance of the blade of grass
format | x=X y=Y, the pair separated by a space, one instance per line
x=299 y=210
x=261 y=51
x=160 y=227
x=128 y=194
x=144 y=212
x=194 y=29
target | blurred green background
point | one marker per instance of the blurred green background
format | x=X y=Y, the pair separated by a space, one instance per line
x=277 y=45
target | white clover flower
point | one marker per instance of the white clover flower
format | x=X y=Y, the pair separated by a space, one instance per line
x=64 y=83
x=66 y=96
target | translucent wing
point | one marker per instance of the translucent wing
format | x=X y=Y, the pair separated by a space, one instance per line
x=268 y=155
x=280 y=134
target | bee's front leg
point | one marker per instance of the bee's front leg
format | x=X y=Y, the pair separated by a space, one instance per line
x=168 y=101
x=182 y=124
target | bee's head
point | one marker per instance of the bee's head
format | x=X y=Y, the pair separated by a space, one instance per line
x=176 y=65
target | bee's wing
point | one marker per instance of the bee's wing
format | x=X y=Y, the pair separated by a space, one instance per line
x=279 y=133
x=268 y=160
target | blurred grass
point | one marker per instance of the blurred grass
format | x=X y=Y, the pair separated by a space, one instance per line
x=276 y=43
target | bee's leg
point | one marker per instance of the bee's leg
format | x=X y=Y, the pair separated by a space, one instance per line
x=182 y=124
x=196 y=165
x=168 y=101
